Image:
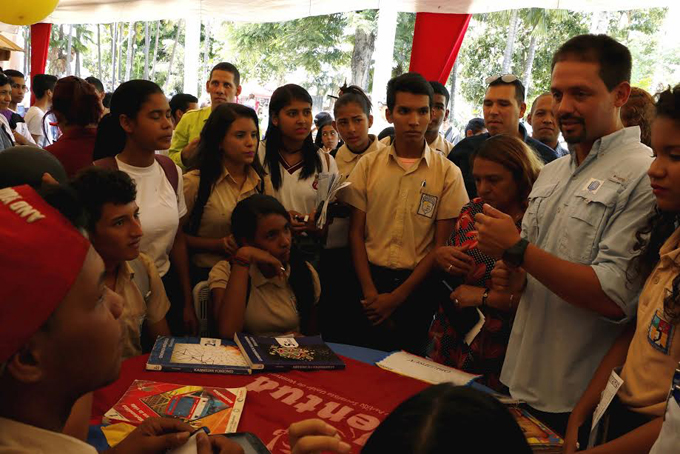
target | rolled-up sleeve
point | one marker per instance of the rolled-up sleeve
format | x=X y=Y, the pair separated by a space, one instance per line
x=616 y=246
x=219 y=275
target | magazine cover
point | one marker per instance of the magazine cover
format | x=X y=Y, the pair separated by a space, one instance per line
x=539 y=436
x=280 y=353
x=219 y=409
x=197 y=354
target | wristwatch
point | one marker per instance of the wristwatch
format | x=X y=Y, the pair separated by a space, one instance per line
x=514 y=255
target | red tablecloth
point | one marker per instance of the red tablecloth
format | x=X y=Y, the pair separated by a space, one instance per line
x=354 y=400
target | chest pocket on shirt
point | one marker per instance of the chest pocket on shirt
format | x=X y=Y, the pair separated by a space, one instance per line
x=535 y=209
x=588 y=211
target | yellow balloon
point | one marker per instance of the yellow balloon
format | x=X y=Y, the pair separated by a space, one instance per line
x=26 y=12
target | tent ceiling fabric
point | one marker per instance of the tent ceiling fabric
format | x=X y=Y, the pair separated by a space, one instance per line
x=107 y=11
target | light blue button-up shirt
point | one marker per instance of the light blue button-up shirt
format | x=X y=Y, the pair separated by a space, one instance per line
x=585 y=214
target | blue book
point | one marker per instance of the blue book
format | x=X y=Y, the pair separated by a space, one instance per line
x=284 y=353
x=197 y=354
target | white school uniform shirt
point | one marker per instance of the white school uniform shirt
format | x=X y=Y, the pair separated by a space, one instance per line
x=159 y=210
x=296 y=194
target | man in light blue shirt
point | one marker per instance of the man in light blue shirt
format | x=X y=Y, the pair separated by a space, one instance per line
x=578 y=234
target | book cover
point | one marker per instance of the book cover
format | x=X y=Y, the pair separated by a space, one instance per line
x=539 y=436
x=219 y=409
x=197 y=354
x=282 y=353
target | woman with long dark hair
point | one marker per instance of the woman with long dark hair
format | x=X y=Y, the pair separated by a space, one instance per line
x=294 y=162
x=267 y=288
x=649 y=348
x=225 y=170
x=77 y=108
x=127 y=139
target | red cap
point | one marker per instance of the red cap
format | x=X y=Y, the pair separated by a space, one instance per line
x=41 y=255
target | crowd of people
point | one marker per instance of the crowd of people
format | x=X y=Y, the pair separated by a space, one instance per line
x=540 y=260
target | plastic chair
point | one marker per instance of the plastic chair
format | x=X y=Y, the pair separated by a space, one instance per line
x=201 y=295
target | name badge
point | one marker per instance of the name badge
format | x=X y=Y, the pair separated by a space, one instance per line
x=427 y=205
x=593 y=186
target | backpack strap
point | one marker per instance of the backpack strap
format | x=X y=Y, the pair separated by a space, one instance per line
x=107 y=163
x=170 y=170
x=166 y=164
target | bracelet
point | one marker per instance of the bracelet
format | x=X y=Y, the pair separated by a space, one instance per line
x=239 y=261
x=485 y=296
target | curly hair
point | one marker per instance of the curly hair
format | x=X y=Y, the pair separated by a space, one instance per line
x=96 y=186
x=660 y=226
x=639 y=111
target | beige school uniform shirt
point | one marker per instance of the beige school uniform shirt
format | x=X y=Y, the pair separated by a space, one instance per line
x=338 y=230
x=271 y=307
x=654 y=352
x=19 y=438
x=136 y=310
x=440 y=144
x=216 y=219
x=402 y=205
x=347 y=160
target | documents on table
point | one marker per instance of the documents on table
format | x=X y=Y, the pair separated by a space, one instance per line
x=423 y=369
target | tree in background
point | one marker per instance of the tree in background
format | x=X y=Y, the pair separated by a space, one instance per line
x=365 y=24
x=326 y=51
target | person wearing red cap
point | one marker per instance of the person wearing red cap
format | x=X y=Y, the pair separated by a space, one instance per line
x=60 y=335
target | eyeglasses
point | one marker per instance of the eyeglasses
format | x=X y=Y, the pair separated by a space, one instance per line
x=507 y=78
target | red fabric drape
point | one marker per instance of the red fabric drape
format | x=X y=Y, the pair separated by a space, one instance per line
x=436 y=42
x=40 y=44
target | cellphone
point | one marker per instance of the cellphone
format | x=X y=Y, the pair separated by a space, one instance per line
x=250 y=443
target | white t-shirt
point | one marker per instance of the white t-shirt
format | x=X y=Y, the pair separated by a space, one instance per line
x=296 y=194
x=159 y=210
x=34 y=120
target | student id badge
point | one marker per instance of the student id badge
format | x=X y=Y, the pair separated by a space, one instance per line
x=427 y=205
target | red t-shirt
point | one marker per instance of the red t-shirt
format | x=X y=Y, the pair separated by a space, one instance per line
x=74 y=149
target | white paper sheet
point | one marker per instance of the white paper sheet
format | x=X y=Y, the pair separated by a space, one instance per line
x=423 y=369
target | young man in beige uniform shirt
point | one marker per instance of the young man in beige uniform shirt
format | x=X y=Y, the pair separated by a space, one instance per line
x=405 y=200
x=114 y=229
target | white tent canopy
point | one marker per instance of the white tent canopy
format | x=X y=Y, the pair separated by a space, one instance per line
x=107 y=11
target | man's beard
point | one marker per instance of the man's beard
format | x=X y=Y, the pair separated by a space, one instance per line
x=573 y=139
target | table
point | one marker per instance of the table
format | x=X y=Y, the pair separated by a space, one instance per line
x=354 y=400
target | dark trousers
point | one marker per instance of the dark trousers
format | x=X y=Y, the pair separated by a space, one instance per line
x=339 y=308
x=407 y=327
x=617 y=421
x=173 y=289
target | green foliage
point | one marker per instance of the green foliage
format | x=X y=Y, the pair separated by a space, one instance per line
x=403 y=41
x=482 y=51
x=321 y=48
x=272 y=50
